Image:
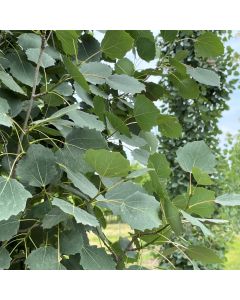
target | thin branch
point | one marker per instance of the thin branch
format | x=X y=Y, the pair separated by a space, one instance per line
x=102 y=236
x=35 y=80
x=138 y=235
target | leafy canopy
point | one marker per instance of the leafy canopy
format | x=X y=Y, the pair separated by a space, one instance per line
x=75 y=115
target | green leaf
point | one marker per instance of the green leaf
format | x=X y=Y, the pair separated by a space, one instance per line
x=196 y=154
x=29 y=40
x=99 y=104
x=5 y=259
x=10 y=83
x=141 y=156
x=159 y=163
x=46 y=60
x=202 y=202
x=82 y=94
x=69 y=41
x=196 y=222
x=181 y=201
x=75 y=73
x=118 y=124
x=186 y=87
x=58 y=114
x=93 y=258
x=39 y=210
x=169 y=35
x=80 y=215
x=154 y=91
x=4 y=109
x=201 y=177
x=82 y=183
x=139 y=173
x=44 y=258
x=73 y=159
x=96 y=72
x=139 y=210
x=116 y=43
x=125 y=83
x=228 y=200
x=203 y=254
x=38 y=167
x=22 y=70
x=145 y=112
x=64 y=89
x=108 y=164
x=208 y=44
x=89 y=48
x=146 y=48
x=178 y=66
x=53 y=218
x=173 y=216
x=83 y=119
x=204 y=76
x=72 y=241
x=151 y=139
x=77 y=141
x=8 y=228
x=52 y=100
x=124 y=66
x=169 y=126
x=83 y=139
x=98 y=91
x=13 y=197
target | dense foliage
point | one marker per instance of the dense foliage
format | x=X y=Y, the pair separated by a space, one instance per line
x=74 y=111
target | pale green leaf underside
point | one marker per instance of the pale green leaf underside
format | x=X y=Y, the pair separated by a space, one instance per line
x=95 y=72
x=196 y=222
x=93 y=258
x=125 y=83
x=44 y=258
x=13 y=197
x=139 y=210
x=228 y=200
x=8 y=228
x=4 y=109
x=7 y=80
x=83 y=119
x=204 y=76
x=80 y=215
x=45 y=61
x=5 y=259
x=196 y=154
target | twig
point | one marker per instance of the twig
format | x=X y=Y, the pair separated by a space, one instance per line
x=138 y=235
x=102 y=236
x=25 y=124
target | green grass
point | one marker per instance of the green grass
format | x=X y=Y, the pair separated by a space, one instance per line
x=233 y=255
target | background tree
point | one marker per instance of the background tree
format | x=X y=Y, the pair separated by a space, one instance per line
x=199 y=119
